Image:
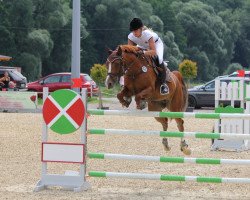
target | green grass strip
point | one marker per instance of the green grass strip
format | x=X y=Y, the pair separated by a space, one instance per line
x=96 y=112
x=208 y=161
x=171 y=134
x=172 y=159
x=209 y=180
x=208 y=135
x=97 y=131
x=172 y=114
x=172 y=178
x=97 y=174
x=207 y=115
x=96 y=155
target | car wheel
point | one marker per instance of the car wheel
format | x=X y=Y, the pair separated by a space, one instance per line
x=192 y=102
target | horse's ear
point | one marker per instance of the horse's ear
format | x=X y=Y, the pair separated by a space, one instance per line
x=109 y=50
x=119 y=51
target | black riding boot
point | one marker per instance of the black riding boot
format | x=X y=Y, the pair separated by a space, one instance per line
x=163 y=75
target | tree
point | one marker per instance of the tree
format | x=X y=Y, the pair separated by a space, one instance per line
x=107 y=32
x=188 y=69
x=164 y=10
x=205 y=33
x=242 y=48
x=31 y=65
x=99 y=73
x=232 y=68
x=172 y=52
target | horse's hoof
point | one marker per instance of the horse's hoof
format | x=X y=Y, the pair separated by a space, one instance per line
x=138 y=107
x=124 y=104
x=128 y=100
x=143 y=104
x=186 y=150
x=167 y=149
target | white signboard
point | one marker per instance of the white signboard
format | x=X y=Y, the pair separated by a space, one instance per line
x=63 y=152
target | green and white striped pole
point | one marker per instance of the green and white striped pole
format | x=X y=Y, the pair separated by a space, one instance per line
x=171 y=134
x=212 y=161
x=169 y=114
x=164 y=177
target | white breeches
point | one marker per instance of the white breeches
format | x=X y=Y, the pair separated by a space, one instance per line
x=159 y=50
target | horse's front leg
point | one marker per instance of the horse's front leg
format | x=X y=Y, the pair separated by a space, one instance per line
x=144 y=94
x=124 y=97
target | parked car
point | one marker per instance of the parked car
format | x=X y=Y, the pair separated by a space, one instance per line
x=204 y=95
x=15 y=76
x=61 y=81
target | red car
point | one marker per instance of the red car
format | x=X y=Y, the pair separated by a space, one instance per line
x=62 y=81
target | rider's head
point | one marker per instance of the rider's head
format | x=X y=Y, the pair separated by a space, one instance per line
x=136 y=27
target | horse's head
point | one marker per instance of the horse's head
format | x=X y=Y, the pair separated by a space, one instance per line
x=119 y=61
x=115 y=68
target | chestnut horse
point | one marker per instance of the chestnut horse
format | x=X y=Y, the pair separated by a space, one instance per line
x=140 y=80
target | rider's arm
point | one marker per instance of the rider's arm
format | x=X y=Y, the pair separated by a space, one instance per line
x=152 y=50
x=131 y=43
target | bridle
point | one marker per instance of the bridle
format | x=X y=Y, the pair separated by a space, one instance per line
x=120 y=58
x=122 y=64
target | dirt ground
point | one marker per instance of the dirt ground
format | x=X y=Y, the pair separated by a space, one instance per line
x=20 y=166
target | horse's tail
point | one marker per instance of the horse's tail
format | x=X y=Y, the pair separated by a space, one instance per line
x=185 y=94
x=184 y=90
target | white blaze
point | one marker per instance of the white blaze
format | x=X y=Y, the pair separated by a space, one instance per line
x=109 y=71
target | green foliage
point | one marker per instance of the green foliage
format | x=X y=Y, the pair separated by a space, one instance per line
x=108 y=25
x=172 y=51
x=41 y=41
x=98 y=72
x=188 y=69
x=37 y=33
x=31 y=65
x=232 y=68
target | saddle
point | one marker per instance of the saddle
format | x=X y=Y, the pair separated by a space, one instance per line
x=158 y=69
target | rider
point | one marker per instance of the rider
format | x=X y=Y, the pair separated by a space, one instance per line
x=152 y=45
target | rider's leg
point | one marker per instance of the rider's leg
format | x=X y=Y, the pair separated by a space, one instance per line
x=163 y=75
x=163 y=78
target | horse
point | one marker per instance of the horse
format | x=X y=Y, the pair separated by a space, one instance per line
x=140 y=80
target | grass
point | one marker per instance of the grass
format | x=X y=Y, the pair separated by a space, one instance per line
x=109 y=93
x=39 y=101
x=93 y=100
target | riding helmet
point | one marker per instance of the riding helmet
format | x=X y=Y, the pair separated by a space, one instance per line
x=135 y=24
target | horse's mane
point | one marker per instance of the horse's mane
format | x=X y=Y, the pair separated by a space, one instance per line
x=129 y=48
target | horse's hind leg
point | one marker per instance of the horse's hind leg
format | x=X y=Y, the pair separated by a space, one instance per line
x=176 y=106
x=156 y=106
x=184 y=146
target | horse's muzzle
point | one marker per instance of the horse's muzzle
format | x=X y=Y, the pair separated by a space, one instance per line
x=109 y=83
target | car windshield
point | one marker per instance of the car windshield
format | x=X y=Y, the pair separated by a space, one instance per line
x=87 y=77
x=210 y=86
x=17 y=73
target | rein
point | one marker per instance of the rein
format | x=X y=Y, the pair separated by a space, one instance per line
x=134 y=75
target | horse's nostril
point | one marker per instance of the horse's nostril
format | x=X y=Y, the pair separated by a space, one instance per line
x=109 y=85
